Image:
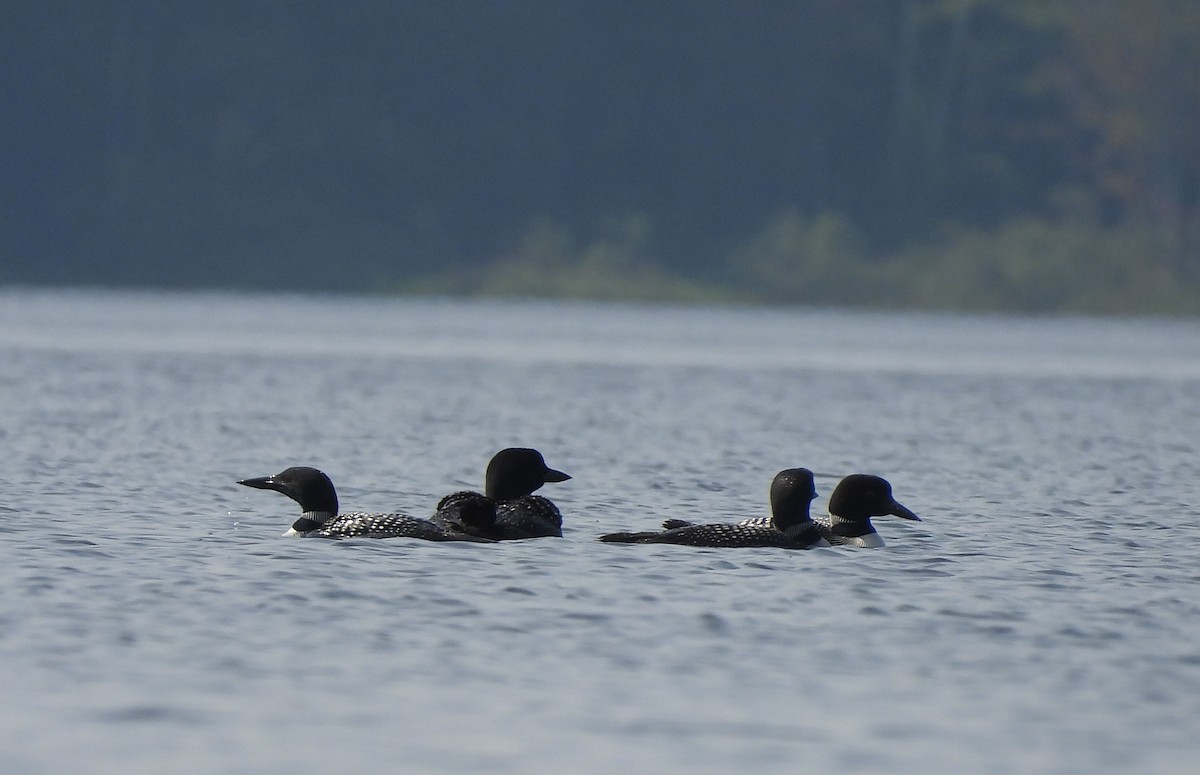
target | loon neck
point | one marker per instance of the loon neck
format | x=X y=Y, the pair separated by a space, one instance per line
x=308 y=522
x=844 y=526
x=790 y=521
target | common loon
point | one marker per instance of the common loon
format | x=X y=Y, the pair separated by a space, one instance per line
x=512 y=476
x=315 y=493
x=788 y=527
x=854 y=501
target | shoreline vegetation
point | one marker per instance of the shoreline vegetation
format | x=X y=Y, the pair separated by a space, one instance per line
x=1026 y=266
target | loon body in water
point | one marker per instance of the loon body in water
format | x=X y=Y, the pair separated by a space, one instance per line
x=512 y=476
x=788 y=527
x=854 y=501
x=315 y=493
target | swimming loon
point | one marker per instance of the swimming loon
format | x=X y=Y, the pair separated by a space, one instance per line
x=854 y=501
x=788 y=527
x=315 y=493
x=512 y=476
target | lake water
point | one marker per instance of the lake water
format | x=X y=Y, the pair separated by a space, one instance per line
x=1044 y=617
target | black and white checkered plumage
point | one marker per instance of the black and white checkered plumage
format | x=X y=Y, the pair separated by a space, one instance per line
x=789 y=526
x=719 y=535
x=530 y=516
x=356 y=525
x=854 y=501
x=315 y=493
x=512 y=475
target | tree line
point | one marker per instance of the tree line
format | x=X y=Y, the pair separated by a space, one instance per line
x=998 y=154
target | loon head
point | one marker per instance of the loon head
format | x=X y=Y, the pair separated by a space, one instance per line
x=518 y=471
x=792 y=492
x=859 y=497
x=311 y=488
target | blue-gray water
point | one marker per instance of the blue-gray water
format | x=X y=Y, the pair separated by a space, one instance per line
x=1045 y=617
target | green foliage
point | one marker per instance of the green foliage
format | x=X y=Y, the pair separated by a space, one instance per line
x=547 y=261
x=1036 y=265
x=799 y=259
x=1032 y=265
x=1028 y=264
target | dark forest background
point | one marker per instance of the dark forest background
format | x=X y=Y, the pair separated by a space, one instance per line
x=1039 y=156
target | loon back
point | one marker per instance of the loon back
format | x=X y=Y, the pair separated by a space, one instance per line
x=789 y=526
x=530 y=516
x=364 y=525
x=723 y=535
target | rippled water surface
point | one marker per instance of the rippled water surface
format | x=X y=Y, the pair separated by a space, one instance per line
x=1044 y=617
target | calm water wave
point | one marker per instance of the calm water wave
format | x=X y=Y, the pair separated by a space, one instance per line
x=1043 y=618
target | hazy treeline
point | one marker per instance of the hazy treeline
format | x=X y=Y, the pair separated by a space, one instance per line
x=954 y=153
